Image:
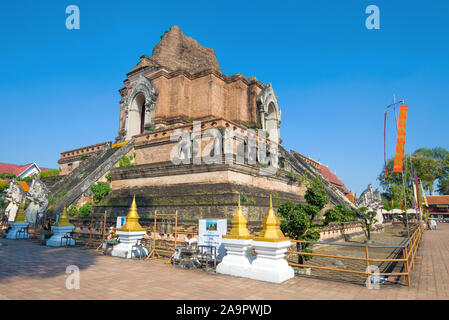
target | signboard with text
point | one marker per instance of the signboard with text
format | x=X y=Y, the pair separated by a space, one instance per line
x=210 y=233
x=120 y=222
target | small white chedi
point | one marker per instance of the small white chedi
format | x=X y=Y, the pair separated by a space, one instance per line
x=18 y=227
x=129 y=235
x=61 y=232
x=271 y=246
x=237 y=243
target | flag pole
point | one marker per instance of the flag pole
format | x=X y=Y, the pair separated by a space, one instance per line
x=402 y=171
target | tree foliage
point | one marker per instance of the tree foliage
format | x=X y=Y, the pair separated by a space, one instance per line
x=443 y=182
x=49 y=173
x=436 y=153
x=430 y=165
x=127 y=161
x=404 y=217
x=297 y=220
x=368 y=219
x=443 y=186
x=339 y=214
x=7 y=176
x=100 y=190
x=73 y=211
x=85 y=210
x=3 y=186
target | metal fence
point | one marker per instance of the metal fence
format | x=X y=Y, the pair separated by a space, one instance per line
x=409 y=251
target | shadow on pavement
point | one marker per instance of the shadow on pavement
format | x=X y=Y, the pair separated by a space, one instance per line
x=27 y=259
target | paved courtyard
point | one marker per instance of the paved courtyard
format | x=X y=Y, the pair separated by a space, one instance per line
x=31 y=271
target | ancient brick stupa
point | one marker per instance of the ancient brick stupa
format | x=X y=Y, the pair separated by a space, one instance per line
x=129 y=235
x=61 y=232
x=173 y=102
x=237 y=243
x=19 y=226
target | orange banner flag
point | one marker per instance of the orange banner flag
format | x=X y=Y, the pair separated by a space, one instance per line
x=400 y=143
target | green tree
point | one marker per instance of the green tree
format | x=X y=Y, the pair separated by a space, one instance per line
x=429 y=166
x=297 y=220
x=368 y=219
x=125 y=162
x=436 y=153
x=443 y=182
x=339 y=214
x=440 y=155
x=3 y=186
x=10 y=176
x=49 y=173
x=100 y=190
x=73 y=211
x=403 y=218
x=85 y=210
x=428 y=170
x=393 y=197
x=443 y=185
x=7 y=176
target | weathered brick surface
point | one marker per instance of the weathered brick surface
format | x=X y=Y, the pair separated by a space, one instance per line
x=176 y=51
x=30 y=271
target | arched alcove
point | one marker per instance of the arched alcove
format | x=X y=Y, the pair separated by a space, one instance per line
x=272 y=123
x=136 y=114
x=269 y=113
x=140 y=107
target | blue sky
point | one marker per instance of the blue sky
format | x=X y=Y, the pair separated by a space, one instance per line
x=333 y=77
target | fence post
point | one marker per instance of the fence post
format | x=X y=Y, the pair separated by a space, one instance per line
x=367 y=259
x=404 y=253
x=415 y=249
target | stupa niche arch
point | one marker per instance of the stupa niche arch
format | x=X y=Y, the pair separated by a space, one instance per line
x=140 y=108
x=272 y=123
x=270 y=114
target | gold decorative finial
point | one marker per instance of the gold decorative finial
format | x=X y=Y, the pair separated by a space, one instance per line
x=20 y=216
x=63 y=220
x=239 y=229
x=271 y=230
x=132 y=219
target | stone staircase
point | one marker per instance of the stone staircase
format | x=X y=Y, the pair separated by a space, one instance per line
x=67 y=190
x=335 y=195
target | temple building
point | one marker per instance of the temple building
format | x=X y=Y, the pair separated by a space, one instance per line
x=21 y=171
x=191 y=138
x=438 y=207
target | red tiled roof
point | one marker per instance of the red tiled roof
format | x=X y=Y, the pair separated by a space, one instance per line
x=17 y=169
x=437 y=200
x=332 y=178
x=13 y=168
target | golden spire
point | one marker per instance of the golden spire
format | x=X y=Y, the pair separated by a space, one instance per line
x=20 y=215
x=239 y=229
x=271 y=230
x=132 y=219
x=63 y=220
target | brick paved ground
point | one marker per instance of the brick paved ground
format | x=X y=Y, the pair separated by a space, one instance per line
x=31 y=271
